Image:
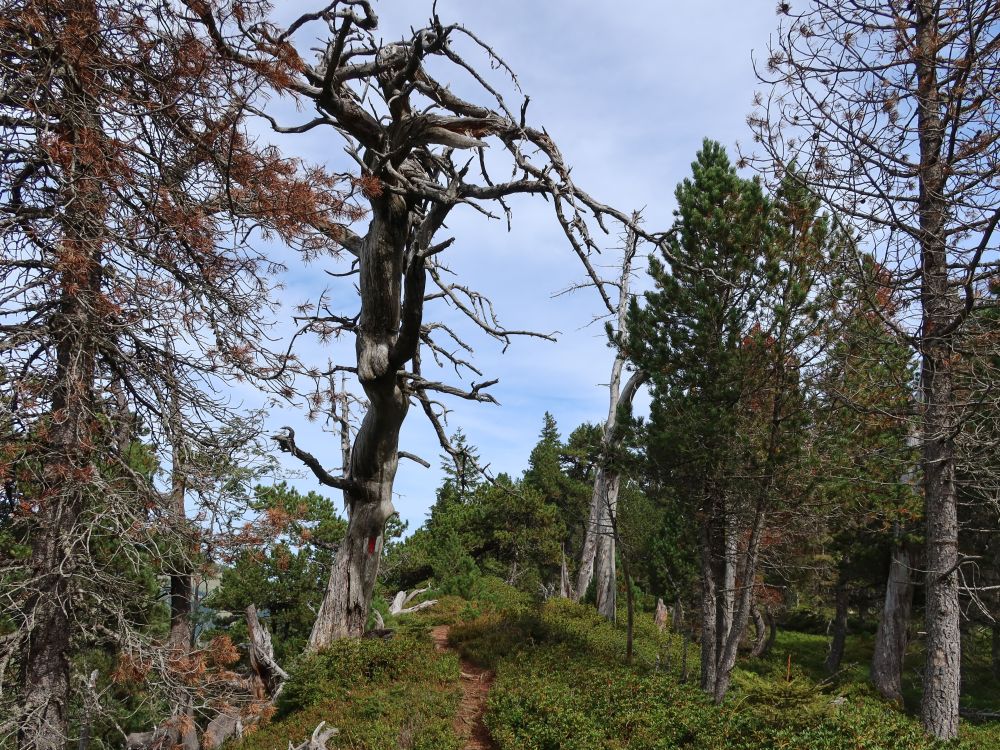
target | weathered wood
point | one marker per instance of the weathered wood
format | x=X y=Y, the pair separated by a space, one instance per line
x=760 y=632
x=660 y=618
x=891 y=635
x=399 y=602
x=318 y=740
x=269 y=673
x=598 y=556
x=225 y=725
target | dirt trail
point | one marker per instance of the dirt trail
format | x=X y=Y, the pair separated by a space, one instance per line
x=476 y=683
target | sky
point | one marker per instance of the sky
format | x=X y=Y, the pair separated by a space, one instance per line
x=628 y=95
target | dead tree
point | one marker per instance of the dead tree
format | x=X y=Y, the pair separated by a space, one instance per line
x=116 y=217
x=891 y=637
x=889 y=112
x=598 y=555
x=420 y=151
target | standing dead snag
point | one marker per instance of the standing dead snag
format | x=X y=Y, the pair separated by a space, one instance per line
x=599 y=545
x=421 y=152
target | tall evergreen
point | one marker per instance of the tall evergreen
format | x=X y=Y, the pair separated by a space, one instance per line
x=727 y=336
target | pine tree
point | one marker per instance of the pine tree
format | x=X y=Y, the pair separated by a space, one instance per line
x=725 y=337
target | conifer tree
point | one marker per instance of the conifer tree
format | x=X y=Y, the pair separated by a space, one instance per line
x=726 y=337
x=890 y=109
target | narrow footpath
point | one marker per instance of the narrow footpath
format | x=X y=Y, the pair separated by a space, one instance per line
x=476 y=683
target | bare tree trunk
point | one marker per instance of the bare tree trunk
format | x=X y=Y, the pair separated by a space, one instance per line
x=630 y=611
x=760 y=631
x=709 y=611
x=660 y=618
x=595 y=522
x=598 y=544
x=942 y=670
x=267 y=670
x=565 y=585
x=67 y=464
x=387 y=337
x=180 y=640
x=836 y=654
x=890 y=638
x=727 y=600
x=727 y=659
x=344 y=611
x=220 y=729
x=605 y=568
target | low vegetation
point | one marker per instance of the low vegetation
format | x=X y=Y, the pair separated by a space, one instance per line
x=562 y=684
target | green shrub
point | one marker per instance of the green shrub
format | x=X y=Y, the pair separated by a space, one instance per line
x=382 y=695
x=352 y=664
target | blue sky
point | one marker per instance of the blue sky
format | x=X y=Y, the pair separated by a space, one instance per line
x=628 y=96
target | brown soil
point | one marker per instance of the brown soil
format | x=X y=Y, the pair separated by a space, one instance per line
x=476 y=683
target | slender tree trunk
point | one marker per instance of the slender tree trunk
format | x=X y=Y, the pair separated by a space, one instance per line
x=181 y=638
x=727 y=599
x=565 y=586
x=727 y=659
x=772 y=631
x=630 y=611
x=605 y=568
x=709 y=610
x=598 y=544
x=890 y=637
x=836 y=654
x=760 y=632
x=942 y=670
x=591 y=538
x=67 y=465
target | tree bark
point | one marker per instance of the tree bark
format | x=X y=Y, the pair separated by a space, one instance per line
x=384 y=343
x=68 y=444
x=605 y=566
x=836 y=654
x=891 y=635
x=748 y=572
x=709 y=611
x=598 y=543
x=220 y=729
x=727 y=600
x=269 y=673
x=180 y=641
x=760 y=632
x=942 y=670
x=660 y=618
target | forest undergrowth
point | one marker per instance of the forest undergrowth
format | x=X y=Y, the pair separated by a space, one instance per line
x=562 y=684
